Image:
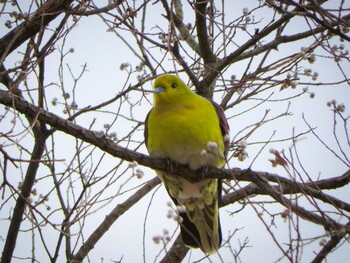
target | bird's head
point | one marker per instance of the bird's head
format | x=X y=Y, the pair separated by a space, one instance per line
x=169 y=88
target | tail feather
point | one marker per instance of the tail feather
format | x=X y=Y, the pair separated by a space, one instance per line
x=206 y=222
x=189 y=232
x=200 y=226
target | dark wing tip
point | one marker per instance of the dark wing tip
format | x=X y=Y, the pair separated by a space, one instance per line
x=189 y=232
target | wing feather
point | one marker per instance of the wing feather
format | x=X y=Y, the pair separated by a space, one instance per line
x=225 y=128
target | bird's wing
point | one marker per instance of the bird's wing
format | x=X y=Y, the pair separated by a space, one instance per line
x=225 y=128
x=145 y=131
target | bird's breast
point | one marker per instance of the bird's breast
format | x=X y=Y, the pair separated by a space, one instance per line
x=182 y=134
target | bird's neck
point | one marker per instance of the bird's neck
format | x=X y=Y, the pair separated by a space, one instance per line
x=175 y=102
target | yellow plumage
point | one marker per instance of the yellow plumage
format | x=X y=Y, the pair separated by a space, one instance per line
x=189 y=129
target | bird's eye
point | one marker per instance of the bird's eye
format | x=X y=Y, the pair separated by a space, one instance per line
x=174 y=85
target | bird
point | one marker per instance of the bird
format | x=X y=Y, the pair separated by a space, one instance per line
x=189 y=129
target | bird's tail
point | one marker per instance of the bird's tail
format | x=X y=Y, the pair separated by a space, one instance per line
x=201 y=225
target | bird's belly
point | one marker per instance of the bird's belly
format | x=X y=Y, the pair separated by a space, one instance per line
x=188 y=151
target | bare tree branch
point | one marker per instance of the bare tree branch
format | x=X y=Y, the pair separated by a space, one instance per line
x=12 y=233
x=41 y=18
x=252 y=58
x=336 y=237
x=176 y=253
x=119 y=210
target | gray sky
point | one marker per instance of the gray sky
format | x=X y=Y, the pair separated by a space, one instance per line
x=103 y=53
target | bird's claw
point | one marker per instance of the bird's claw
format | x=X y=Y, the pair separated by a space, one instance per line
x=169 y=165
x=204 y=172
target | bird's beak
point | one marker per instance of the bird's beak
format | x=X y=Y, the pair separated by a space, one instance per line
x=155 y=91
x=158 y=90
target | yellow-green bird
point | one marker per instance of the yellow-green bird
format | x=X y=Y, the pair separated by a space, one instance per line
x=189 y=129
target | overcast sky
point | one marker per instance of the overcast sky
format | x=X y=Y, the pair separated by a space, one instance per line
x=103 y=54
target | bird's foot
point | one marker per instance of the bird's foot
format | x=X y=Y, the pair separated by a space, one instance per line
x=204 y=172
x=170 y=165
